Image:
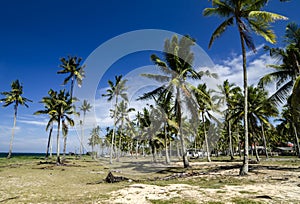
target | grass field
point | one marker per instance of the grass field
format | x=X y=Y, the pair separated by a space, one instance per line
x=34 y=180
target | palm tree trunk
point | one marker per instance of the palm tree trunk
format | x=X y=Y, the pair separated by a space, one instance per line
x=153 y=152
x=13 y=131
x=183 y=148
x=256 y=153
x=166 y=146
x=143 y=149
x=72 y=87
x=65 y=147
x=51 y=147
x=245 y=167
x=170 y=149
x=113 y=133
x=206 y=139
x=120 y=140
x=57 y=143
x=137 y=148
x=49 y=141
x=230 y=140
x=264 y=139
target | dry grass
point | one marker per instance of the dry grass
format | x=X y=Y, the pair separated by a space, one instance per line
x=31 y=180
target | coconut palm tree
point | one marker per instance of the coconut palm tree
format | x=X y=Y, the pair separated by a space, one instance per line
x=176 y=68
x=72 y=66
x=14 y=97
x=49 y=104
x=287 y=72
x=206 y=105
x=261 y=108
x=115 y=91
x=85 y=107
x=248 y=16
x=288 y=125
x=94 y=139
x=62 y=110
x=226 y=94
x=122 y=118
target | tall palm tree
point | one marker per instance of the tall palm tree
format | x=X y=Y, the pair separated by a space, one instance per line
x=115 y=91
x=206 y=105
x=85 y=107
x=94 y=139
x=248 y=16
x=72 y=66
x=14 y=97
x=261 y=108
x=226 y=94
x=62 y=110
x=287 y=72
x=176 y=68
x=288 y=124
x=49 y=104
x=123 y=118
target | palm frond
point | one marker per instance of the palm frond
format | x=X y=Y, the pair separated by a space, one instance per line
x=220 y=30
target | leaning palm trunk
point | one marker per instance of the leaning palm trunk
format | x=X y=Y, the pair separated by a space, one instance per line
x=245 y=168
x=264 y=139
x=65 y=147
x=49 y=142
x=256 y=152
x=206 y=139
x=13 y=132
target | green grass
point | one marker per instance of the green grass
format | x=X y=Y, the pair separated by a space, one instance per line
x=29 y=179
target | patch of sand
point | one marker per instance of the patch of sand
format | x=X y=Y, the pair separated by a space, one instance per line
x=274 y=187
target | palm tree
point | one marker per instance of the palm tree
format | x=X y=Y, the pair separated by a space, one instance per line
x=248 y=16
x=49 y=105
x=205 y=104
x=94 y=139
x=85 y=107
x=226 y=92
x=116 y=90
x=72 y=67
x=287 y=72
x=122 y=117
x=14 y=97
x=261 y=108
x=288 y=125
x=62 y=110
x=177 y=68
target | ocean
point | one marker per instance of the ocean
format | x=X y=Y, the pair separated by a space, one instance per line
x=18 y=154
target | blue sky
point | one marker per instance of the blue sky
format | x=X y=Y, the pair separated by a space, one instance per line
x=35 y=34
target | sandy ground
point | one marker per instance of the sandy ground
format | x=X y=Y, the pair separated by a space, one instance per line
x=271 y=186
x=77 y=182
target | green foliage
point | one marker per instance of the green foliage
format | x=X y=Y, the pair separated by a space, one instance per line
x=72 y=66
x=15 y=96
x=286 y=73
